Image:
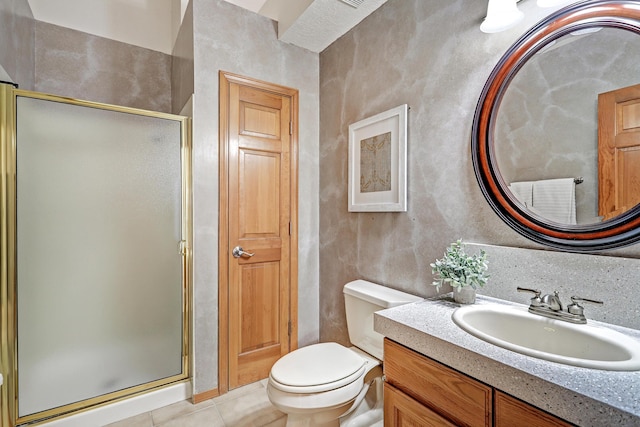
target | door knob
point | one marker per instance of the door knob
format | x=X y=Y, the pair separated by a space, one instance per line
x=238 y=252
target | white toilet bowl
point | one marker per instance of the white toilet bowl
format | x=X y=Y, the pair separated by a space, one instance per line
x=318 y=384
x=329 y=384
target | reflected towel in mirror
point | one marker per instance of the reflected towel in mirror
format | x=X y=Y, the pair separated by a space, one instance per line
x=554 y=199
x=523 y=192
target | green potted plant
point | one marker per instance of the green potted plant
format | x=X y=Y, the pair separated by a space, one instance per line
x=465 y=273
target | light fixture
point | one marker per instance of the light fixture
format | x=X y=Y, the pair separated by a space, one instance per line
x=501 y=15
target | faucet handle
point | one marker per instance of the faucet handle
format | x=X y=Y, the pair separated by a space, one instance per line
x=533 y=291
x=535 y=301
x=576 y=308
x=576 y=300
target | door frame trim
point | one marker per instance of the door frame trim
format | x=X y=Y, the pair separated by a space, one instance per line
x=225 y=79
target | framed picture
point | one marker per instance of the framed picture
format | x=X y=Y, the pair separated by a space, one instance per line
x=378 y=162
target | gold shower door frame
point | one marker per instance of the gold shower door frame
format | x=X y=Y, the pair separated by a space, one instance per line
x=8 y=284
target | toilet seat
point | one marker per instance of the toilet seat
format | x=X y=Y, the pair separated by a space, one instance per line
x=317 y=368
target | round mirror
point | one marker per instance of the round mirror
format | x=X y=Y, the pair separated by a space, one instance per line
x=556 y=134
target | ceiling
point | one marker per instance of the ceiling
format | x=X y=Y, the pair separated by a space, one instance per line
x=312 y=24
x=252 y=5
x=154 y=24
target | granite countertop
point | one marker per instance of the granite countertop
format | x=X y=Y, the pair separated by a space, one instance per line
x=586 y=397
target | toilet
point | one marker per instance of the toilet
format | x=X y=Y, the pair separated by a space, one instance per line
x=328 y=384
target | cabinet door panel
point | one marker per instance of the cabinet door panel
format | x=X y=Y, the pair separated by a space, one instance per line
x=402 y=411
x=455 y=396
x=512 y=412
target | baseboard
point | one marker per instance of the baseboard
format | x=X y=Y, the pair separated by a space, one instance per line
x=126 y=408
x=205 y=395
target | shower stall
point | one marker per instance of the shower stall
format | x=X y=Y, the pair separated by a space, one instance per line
x=95 y=253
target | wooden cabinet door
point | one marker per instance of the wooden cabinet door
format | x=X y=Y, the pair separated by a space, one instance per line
x=457 y=397
x=402 y=411
x=511 y=412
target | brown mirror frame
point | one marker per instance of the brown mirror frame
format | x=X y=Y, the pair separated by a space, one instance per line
x=620 y=231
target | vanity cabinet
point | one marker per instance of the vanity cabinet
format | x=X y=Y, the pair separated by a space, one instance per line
x=422 y=392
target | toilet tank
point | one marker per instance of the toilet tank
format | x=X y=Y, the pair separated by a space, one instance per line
x=361 y=300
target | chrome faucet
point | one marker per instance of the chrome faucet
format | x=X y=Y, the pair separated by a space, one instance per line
x=551 y=306
x=552 y=302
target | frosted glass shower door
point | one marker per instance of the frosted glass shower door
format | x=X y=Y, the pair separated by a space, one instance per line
x=99 y=275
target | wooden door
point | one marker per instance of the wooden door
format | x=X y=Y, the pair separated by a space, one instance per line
x=259 y=147
x=618 y=151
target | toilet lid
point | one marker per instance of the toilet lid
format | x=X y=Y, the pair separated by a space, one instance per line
x=317 y=364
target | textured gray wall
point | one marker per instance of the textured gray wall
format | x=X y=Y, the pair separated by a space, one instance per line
x=80 y=65
x=17 y=61
x=232 y=39
x=431 y=55
x=182 y=63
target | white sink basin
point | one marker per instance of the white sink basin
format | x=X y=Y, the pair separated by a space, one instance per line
x=514 y=328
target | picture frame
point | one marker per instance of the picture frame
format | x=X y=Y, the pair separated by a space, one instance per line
x=378 y=162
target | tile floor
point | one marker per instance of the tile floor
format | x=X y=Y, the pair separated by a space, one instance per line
x=247 y=406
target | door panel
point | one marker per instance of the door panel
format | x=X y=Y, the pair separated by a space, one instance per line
x=260 y=121
x=260 y=189
x=259 y=296
x=259 y=194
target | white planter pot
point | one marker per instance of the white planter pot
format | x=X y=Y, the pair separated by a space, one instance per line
x=466 y=295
